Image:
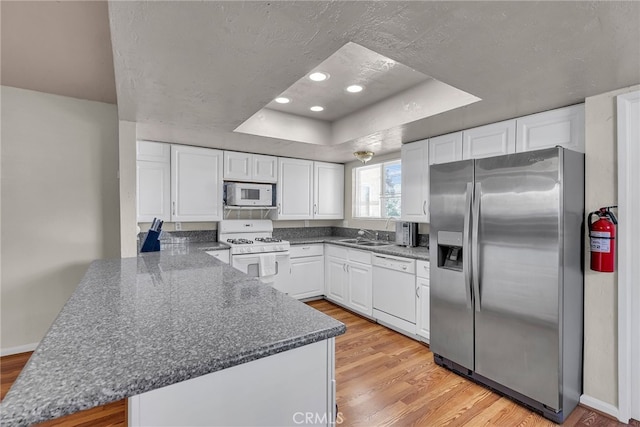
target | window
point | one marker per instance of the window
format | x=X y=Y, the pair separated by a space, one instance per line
x=377 y=190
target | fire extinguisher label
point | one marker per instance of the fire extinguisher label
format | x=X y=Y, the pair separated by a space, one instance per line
x=603 y=244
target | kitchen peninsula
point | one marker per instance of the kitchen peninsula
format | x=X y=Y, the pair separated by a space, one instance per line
x=188 y=339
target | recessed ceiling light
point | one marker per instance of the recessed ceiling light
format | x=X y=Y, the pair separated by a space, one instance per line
x=282 y=100
x=354 y=88
x=318 y=76
x=317 y=108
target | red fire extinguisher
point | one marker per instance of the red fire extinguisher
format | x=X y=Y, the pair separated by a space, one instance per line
x=602 y=235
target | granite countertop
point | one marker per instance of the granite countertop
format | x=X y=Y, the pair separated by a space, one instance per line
x=138 y=324
x=418 y=252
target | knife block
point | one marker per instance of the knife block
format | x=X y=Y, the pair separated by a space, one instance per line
x=151 y=242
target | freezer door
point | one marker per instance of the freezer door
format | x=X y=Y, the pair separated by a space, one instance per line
x=451 y=312
x=518 y=267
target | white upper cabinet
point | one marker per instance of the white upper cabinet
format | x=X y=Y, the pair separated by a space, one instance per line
x=415 y=181
x=250 y=167
x=265 y=168
x=153 y=181
x=445 y=148
x=196 y=184
x=153 y=151
x=490 y=140
x=295 y=189
x=563 y=127
x=328 y=202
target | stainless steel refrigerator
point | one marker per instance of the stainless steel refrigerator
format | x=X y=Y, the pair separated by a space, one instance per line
x=506 y=274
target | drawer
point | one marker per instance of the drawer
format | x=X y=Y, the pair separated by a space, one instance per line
x=363 y=257
x=422 y=269
x=300 y=251
x=336 y=251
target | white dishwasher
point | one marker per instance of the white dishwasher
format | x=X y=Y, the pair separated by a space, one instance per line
x=394 y=292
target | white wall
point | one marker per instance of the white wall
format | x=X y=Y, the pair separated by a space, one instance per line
x=60 y=206
x=600 y=299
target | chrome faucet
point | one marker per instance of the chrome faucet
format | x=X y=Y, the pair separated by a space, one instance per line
x=361 y=234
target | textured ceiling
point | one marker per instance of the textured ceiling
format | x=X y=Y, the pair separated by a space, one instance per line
x=60 y=47
x=205 y=67
x=381 y=77
x=191 y=72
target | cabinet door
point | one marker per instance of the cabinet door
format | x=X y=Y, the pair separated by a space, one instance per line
x=422 y=307
x=307 y=277
x=563 y=127
x=153 y=151
x=336 y=279
x=295 y=189
x=328 y=202
x=488 y=141
x=153 y=191
x=196 y=184
x=415 y=181
x=445 y=148
x=265 y=168
x=237 y=166
x=360 y=286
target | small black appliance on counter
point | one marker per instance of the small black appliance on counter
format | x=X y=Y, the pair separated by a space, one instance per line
x=152 y=241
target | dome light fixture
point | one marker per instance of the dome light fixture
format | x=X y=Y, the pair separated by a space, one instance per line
x=363 y=156
x=317 y=108
x=282 y=100
x=318 y=76
x=354 y=88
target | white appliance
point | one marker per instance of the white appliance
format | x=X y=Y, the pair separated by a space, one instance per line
x=394 y=292
x=255 y=251
x=249 y=194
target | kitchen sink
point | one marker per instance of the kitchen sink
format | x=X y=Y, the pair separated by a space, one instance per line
x=363 y=242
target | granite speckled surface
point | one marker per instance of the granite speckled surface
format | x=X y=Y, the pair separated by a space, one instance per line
x=138 y=324
x=418 y=252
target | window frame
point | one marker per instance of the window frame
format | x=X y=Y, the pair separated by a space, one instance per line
x=355 y=194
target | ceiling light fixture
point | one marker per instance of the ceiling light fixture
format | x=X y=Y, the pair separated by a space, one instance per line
x=282 y=100
x=363 y=156
x=354 y=88
x=317 y=108
x=318 y=76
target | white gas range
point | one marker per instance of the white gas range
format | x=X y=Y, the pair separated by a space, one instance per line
x=255 y=251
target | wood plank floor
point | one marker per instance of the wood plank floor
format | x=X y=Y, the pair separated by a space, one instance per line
x=383 y=379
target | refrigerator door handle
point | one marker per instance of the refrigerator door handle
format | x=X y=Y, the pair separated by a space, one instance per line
x=466 y=243
x=475 y=252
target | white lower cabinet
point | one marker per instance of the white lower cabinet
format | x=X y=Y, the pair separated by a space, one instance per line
x=307 y=271
x=277 y=390
x=422 y=300
x=349 y=279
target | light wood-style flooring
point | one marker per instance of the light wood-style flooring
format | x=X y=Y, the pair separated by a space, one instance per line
x=383 y=379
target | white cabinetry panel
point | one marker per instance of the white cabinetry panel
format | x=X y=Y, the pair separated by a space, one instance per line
x=153 y=181
x=490 y=140
x=295 y=189
x=445 y=148
x=563 y=127
x=250 y=167
x=415 y=181
x=196 y=183
x=328 y=181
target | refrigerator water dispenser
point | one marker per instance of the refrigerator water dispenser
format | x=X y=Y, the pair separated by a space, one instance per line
x=450 y=250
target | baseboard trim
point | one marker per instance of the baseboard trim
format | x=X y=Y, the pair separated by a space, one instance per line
x=601 y=406
x=19 y=349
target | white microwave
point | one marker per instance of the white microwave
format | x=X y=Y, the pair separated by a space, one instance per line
x=248 y=194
